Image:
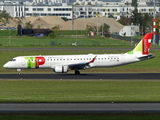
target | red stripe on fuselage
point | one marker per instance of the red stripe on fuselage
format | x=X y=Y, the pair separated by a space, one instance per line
x=40 y=61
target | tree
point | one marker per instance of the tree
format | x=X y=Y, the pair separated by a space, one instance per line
x=77 y=4
x=91 y=28
x=57 y=27
x=147 y=20
x=110 y=16
x=39 y=27
x=144 y=20
x=52 y=35
x=157 y=22
x=134 y=3
x=124 y=20
x=29 y=25
x=64 y=18
x=136 y=17
x=104 y=28
x=4 y=15
x=127 y=3
x=89 y=3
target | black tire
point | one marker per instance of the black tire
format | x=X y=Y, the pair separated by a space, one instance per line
x=77 y=72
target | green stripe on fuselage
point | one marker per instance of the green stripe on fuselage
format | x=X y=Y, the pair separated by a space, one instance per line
x=30 y=62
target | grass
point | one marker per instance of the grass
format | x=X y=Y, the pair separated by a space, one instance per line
x=94 y=116
x=76 y=91
x=58 y=41
x=26 y=91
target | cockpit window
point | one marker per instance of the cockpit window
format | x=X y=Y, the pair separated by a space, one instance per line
x=13 y=60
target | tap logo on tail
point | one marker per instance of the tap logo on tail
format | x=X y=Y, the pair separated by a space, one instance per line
x=146 y=42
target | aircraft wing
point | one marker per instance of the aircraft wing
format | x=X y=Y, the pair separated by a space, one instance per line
x=77 y=66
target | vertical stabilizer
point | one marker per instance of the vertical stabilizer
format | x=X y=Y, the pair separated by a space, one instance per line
x=143 y=46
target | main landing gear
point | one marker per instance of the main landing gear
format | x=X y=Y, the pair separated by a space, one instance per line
x=77 y=72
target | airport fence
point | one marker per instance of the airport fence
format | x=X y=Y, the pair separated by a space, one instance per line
x=129 y=39
x=45 y=41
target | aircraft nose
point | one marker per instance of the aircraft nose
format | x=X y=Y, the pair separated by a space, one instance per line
x=5 y=65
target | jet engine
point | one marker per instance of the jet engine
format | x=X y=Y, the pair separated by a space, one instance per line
x=60 y=69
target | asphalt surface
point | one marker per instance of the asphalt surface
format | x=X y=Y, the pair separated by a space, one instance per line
x=81 y=107
x=88 y=76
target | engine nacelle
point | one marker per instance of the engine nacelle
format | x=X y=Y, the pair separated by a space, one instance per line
x=60 y=69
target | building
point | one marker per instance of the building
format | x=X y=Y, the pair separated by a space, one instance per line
x=130 y=30
x=79 y=9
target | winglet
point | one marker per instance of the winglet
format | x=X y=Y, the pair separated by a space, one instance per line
x=92 y=60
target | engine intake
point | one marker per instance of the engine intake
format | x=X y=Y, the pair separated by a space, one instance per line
x=60 y=69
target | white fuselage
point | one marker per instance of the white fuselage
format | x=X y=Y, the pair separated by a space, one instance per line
x=64 y=63
x=102 y=60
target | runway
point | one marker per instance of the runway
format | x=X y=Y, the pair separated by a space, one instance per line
x=88 y=76
x=80 y=108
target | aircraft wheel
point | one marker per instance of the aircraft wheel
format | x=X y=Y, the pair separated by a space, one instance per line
x=77 y=72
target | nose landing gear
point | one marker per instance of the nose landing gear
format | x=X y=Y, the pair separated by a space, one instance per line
x=19 y=71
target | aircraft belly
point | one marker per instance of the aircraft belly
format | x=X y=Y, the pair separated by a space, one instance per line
x=107 y=63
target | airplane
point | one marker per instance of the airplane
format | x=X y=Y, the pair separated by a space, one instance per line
x=65 y=63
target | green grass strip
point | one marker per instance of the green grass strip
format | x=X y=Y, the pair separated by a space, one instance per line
x=80 y=117
x=78 y=91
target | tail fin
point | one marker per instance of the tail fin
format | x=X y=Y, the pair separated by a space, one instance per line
x=143 y=46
